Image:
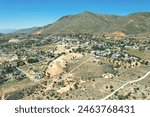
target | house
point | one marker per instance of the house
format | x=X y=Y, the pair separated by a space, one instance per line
x=108 y=76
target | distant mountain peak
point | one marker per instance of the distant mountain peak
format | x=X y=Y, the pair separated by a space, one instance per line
x=87 y=12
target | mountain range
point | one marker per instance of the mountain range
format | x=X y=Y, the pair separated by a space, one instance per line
x=26 y=30
x=88 y=22
x=100 y=23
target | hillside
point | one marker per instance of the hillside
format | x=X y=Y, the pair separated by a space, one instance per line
x=100 y=23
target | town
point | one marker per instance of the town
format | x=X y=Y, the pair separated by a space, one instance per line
x=74 y=66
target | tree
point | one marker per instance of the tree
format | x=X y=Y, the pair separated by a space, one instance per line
x=146 y=62
x=32 y=60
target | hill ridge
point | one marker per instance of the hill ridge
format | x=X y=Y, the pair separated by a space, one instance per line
x=99 y=23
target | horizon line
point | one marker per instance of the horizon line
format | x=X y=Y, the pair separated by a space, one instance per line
x=121 y=15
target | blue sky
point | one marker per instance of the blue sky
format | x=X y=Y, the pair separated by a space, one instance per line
x=15 y=14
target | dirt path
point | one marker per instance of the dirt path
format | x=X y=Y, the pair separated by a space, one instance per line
x=79 y=66
x=134 y=81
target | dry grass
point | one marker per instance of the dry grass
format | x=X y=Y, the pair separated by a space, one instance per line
x=143 y=54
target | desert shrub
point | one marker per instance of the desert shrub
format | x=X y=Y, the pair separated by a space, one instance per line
x=32 y=60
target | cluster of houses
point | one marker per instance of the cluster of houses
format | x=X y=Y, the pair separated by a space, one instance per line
x=35 y=73
x=113 y=50
x=9 y=72
x=118 y=58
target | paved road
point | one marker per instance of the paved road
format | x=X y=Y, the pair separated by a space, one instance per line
x=148 y=73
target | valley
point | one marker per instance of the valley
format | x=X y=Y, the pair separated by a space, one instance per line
x=52 y=63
